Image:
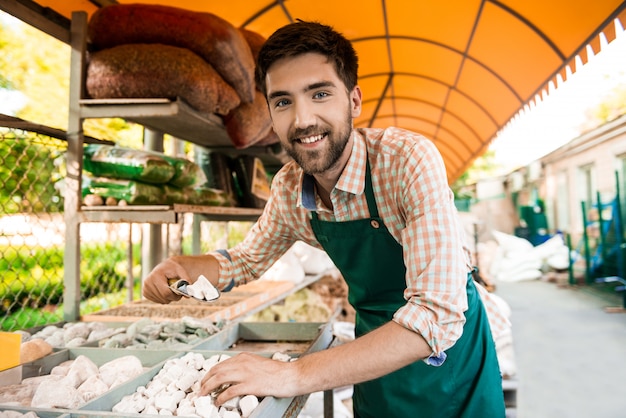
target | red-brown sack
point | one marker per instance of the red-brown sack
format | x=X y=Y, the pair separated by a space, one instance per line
x=158 y=71
x=255 y=41
x=211 y=37
x=270 y=139
x=249 y=122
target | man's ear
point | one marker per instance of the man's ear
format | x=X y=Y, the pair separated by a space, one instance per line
x=355 y=101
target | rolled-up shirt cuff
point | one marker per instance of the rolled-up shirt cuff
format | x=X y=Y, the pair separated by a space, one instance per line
x=229 y=286
x=436 y=360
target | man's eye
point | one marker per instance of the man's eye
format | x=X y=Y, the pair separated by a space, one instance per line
x=320 y=95
x=281 y=103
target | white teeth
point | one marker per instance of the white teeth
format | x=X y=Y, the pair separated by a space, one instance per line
x=311 y=139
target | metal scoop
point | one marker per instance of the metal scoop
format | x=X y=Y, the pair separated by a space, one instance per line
x=181 y=287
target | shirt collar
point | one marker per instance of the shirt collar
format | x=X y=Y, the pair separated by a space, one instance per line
x=352 y=179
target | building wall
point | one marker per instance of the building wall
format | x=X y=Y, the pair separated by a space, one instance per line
x=560 y=180
x=577 y=171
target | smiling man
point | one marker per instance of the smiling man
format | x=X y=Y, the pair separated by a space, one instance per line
x=377 y=201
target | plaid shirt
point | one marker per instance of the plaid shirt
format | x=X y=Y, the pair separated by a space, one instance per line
x=416 y=205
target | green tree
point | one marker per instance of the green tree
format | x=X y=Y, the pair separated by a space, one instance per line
x=22 y=163
x=483 y=167
x=611 y=107
x=35 y=66
x=38 y=66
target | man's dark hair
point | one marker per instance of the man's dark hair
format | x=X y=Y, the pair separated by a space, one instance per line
x=302 y=37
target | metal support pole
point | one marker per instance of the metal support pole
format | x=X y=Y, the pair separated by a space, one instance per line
x=570 y=264
x=130 y=280
x=603 y=251
x=74 y=164
x=152 y=242
x=586 y=244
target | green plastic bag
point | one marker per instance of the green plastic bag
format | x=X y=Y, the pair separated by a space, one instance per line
x=130 y=191
x=127 y=163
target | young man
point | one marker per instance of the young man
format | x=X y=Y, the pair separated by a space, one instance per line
x=377 y=201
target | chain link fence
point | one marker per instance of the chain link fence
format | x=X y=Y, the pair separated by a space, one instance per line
x=32 y=235
x=32 y=238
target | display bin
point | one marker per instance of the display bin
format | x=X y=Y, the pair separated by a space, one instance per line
x=41 y=412
x=261 y=338
x=93 y=343
x=44 y=365
x=191 y=339
x=242 y=300
x=99 y=356
x=264 y=339
x=293 y=338
x=107 y=401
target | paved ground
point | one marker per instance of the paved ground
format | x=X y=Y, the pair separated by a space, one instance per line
x=570 y=353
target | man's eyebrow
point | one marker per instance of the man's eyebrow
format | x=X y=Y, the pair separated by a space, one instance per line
x=314 y=86
x=320 y=84
x=276 y=94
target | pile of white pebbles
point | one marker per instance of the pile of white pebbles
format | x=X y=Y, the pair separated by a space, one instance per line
x=175 y=390
x=71 y=383
x=142 y=334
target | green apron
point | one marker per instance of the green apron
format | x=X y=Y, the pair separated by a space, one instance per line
x=467 y=384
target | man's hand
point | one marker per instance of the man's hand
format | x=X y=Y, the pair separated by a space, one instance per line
x=185 y=267
x=155 y=285
x=251 y=374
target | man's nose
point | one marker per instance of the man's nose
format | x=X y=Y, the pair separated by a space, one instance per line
x=305 y=116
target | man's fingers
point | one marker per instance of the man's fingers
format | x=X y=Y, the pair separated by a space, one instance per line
x=160 y=292
x=229 y=393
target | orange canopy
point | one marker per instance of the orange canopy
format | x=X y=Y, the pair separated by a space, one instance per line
x=456 y=71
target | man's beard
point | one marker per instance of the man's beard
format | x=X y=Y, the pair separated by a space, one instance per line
x=318 y=161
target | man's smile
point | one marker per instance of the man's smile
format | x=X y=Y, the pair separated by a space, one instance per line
x=311 y=139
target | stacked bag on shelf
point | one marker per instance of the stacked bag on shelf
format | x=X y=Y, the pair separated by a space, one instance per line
x=117 y=175
x=243 y=177
x=154 y=51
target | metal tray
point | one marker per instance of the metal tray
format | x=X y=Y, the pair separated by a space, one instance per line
x=316 y=336
x=293 y=338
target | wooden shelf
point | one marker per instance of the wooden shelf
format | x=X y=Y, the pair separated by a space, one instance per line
x=178 y=119
x=164 y=213
x=174 y=117
x=220 y=213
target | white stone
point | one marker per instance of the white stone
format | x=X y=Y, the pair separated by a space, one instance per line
x=62 y=369
x=175 y=371
x=186 y=381
x=150 y=410
x=76 y=330
x=154 y=388
x=92 y=388
x=203 y=289
x=247 y=404
x=186 y=411
x=52 y=394
x=281 y=357
x=205 y=407
x=165 y=402
x=225 y=413
x=125 y=406
x=75 y=342
x=120 y=370
x=210 y=362
x=232 y=403
x=81 y=369
x=178 y=396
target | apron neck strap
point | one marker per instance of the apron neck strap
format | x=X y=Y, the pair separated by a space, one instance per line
x=369 y=193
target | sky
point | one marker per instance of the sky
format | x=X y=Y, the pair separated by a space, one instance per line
x=556 y=120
